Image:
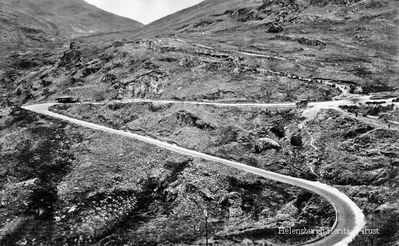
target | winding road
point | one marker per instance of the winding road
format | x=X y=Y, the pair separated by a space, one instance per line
x=349 y=217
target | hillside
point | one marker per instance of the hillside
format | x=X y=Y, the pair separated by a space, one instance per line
x=352 y=40
x=357 y=157
x=101 y=189
x=37 y=23
x=304 y=88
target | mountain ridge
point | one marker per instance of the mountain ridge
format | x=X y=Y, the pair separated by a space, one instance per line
x=31 y=24
x=305 y=88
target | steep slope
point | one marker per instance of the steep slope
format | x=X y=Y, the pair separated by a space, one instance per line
x=352 y=40
x=32 y=23
x=194 y=15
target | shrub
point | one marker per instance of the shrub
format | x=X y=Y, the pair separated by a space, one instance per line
x=275 y=28
x=278 y=130
x=371 y=88
x=296 y=140
x=115 y=106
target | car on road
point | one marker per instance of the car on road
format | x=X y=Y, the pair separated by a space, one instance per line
x=67 y=99
x=302 y=104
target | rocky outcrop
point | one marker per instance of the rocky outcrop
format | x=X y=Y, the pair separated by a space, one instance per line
x=234 y=200
x=109 y=79
x=186 y=118
x=148 y=84
x=202 y=23
x=285 y=12
x=263 y=144
x=301 y=40
x=15 y=196
x=71 y=57
x=81 y=224
x=323 y=3
x=91 y=67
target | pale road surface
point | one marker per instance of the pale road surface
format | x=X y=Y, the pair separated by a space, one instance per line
x=317 y=105
x=349 y=218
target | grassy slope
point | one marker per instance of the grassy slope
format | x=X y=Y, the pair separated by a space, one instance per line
x=37 y=23
x=359 y=37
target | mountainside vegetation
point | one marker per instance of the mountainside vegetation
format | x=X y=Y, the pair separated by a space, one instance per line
x=348 y=40
x=328 y=71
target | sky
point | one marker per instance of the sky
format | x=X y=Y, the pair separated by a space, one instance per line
x=144 y=11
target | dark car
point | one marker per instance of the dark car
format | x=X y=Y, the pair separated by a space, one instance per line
x=67 y=100
x=302 y=104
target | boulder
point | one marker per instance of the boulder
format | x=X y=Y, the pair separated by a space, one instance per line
x=263 y=144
